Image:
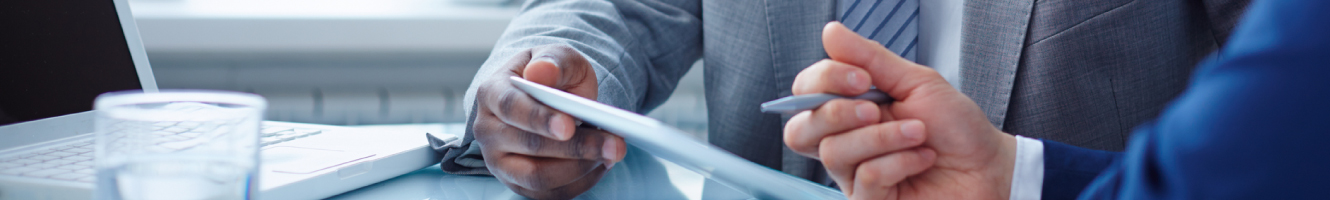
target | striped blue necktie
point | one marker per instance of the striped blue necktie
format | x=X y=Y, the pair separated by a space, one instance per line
x=892 y=23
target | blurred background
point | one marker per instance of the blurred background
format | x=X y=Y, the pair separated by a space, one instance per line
x=346 y=62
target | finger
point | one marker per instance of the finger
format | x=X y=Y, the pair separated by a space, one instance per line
x=500 y=98
x=830 y=76
x=806 y=130
x=841 y=154
x=889 y=72
x=586 y=144
x=561 y=67
x=539 y=173
x=880 y=178
x=568 y=191
x=515 y=108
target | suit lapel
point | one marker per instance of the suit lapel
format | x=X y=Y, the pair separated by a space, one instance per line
x=795 y=28
x=796 y=36
x=993 y=40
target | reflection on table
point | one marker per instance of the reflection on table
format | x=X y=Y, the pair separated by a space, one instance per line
x=639 y=176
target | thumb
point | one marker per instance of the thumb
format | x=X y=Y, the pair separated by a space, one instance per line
x=561 y=67
x=889 y=72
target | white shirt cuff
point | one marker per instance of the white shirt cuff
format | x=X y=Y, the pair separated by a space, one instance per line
x=1027 y=177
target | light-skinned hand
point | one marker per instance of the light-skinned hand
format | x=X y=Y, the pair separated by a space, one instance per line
x=537 y=151
x=933 y=142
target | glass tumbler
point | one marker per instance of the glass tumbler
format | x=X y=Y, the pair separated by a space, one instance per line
x=177 y=144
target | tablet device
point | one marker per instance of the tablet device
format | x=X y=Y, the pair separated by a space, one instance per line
x=675 y=146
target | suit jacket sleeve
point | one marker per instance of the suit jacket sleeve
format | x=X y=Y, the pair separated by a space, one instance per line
x=1068 y=169
x=639 y=50
x=1251 y=125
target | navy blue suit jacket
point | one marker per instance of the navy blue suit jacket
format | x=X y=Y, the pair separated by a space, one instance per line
x=1253 y=124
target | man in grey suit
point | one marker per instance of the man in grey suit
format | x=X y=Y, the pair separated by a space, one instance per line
x=1079 y=72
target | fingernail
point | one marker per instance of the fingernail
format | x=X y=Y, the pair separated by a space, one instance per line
x=912 y=129
x=852 y=78
x=609 y=165
x=546 y=59
x=610 y=150
x=864 y=111
x=559 y=127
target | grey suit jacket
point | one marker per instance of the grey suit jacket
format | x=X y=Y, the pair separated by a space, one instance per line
x=1082 y=72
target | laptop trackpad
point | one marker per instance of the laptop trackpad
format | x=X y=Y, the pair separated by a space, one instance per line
x=300 y=160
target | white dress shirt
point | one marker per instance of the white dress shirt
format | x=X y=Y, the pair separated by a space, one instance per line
x=1027 y=177
x=940 y=37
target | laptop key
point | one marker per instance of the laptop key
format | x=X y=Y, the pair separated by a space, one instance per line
x=46 y=151
x=188 y=124
x=79 y=150
x=43 y=157
x=61 y=162
x=88 y=179
x=70 y=177
x=80 y=157
x=72 y=146
x=60 y=148
x=190 y=134
x=60 y=154
x=71 y=167
x=45 y=165
x=46 y=172
x=27 y=161
x=18 y=171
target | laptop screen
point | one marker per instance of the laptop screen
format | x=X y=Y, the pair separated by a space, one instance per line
x=56 y=56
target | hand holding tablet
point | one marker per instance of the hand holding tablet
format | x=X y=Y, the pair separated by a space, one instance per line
x=675 y=146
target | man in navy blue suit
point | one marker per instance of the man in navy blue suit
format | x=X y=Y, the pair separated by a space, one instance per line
x=1253 y=124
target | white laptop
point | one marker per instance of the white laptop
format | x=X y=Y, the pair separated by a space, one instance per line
x=60 y=54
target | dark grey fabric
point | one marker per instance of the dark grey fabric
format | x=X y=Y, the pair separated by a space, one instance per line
x=753 y=51
x=461 y=156
x=1078 y=72
x=1085 y=72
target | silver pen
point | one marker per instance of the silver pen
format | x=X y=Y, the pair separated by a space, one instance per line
x=799 y=103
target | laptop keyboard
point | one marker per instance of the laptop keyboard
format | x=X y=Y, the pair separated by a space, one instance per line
x=74 y=161
x=71 y=162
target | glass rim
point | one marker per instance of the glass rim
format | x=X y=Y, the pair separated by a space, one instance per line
x=129 y=97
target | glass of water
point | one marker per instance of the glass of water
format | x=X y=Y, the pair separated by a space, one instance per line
x=183 y=144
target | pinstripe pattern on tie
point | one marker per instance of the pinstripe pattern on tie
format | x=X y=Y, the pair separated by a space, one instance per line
x=892 y=23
